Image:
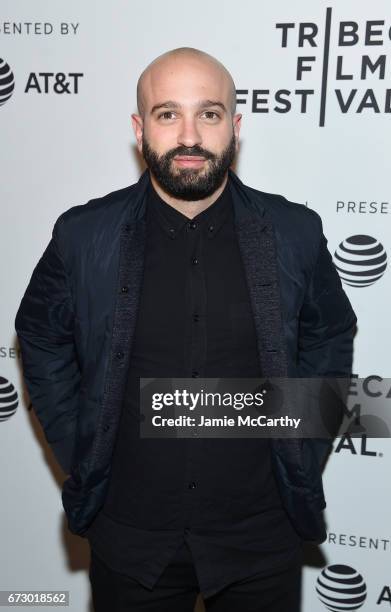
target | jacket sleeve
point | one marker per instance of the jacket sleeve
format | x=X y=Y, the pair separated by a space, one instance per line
x=327 y=325
x=44 y=325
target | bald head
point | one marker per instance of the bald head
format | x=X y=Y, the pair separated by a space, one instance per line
x=177 y=60
x=187 y=127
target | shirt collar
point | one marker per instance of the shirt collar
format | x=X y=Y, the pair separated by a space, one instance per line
x=173 y=222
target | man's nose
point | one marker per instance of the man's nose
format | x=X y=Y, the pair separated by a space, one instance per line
x=189 y=134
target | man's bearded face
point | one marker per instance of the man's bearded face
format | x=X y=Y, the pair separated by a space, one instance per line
x=192 y=183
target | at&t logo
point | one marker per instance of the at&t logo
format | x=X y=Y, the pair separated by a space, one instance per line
x=360 y=260
x=341 y=587
x=39 y=82
x=7 y=82
x=8 y=399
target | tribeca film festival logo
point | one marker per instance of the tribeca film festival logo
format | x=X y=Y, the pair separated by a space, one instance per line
x=8 y=399
x=341 y=587
x=39 y=82
x=342 y=75
x=354 y=437
x=360 y=260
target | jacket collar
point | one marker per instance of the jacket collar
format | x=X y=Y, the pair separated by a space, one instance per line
x=172 y=221
x=248 y=203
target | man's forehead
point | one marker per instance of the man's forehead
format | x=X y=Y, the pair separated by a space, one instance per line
x=185 y=77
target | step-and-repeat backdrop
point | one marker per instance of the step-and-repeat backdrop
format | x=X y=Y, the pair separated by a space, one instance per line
x=313 y=85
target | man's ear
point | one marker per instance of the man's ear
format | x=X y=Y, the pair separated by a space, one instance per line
x=137 y=123
x=237 y=122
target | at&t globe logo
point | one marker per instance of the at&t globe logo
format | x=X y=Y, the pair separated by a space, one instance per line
x=341 y=587
x=7 y=82
x=360 y=260
x=8 y=399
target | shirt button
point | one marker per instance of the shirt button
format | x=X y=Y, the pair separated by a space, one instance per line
x=106 y=428
x=195 y=374
x=192 y=225
x=192 y=485
x=211 y=228
x=194 y=261
x=196 y=317
x=124 y=289
x=120 y=355
x=172 y=232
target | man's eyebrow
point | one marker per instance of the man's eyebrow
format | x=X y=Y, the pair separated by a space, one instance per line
x=167 y=104
x=200 y=105
x=207 y=103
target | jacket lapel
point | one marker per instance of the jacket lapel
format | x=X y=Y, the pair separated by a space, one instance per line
x=130 y=274
x=257 y=246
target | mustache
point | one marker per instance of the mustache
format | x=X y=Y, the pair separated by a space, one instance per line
x=190 y=151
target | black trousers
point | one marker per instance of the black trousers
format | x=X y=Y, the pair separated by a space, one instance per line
x=177 y=590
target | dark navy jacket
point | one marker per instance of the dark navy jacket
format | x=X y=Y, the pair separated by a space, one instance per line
x=77 y=318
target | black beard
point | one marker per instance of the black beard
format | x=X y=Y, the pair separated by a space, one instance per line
x=189 y=184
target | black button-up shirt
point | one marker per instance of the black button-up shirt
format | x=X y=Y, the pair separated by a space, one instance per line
x=194 y=319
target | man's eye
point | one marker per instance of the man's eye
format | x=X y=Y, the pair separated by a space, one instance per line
x=211 y=115
x=166 y=115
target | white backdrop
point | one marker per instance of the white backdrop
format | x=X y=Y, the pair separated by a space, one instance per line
x=66 y=137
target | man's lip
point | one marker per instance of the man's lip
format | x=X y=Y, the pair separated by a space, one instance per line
x=189 y=158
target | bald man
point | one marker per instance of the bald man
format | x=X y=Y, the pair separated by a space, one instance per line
x=188 y=273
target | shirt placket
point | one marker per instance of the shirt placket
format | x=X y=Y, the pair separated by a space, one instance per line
x=195 y=356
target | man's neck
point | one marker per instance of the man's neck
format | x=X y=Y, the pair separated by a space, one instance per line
x=189 y=209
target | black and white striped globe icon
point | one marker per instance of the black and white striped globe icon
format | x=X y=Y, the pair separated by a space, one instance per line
x=8 y=399
x=360 y=260
x=341 y=587
x=7 y=82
